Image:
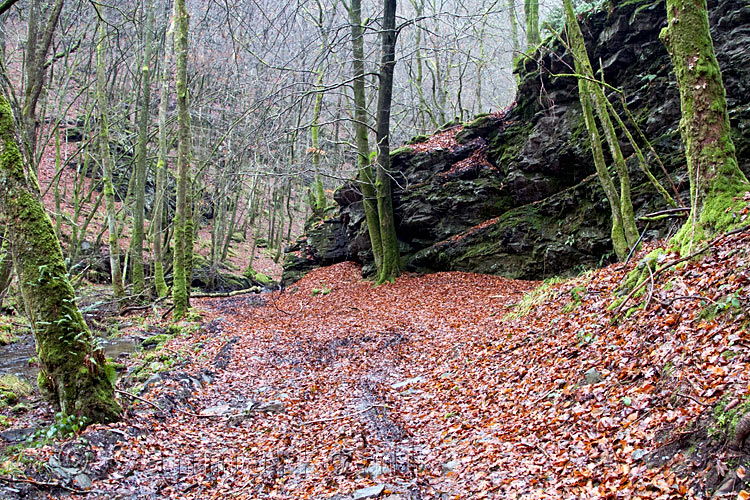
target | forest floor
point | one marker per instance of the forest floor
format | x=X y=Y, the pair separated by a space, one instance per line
x=450 y=385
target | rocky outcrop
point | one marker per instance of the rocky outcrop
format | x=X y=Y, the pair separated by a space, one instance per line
x=513 y=192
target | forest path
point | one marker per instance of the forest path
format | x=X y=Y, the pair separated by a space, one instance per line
x=428 y=388
x=332 y=388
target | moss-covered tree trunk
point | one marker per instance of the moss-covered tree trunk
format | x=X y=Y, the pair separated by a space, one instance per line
x=366 y=177
x=182 y=230
x=716 y=182
x=624 y=231
x=107 y=167
x=391 y=260
x=138 y=273
x=72 y=372
x=513 y=19
x=160 y=190
x=318 y=195
x=531 y=10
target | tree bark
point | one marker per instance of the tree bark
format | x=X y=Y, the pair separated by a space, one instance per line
x=531 y=10
x=391 y=260
x=624 y=231
x=716 y=182
x=107 y=167
x=183 y=230
x=72 y=372
x=138 y=274
x=366 y=178
x=161 y=172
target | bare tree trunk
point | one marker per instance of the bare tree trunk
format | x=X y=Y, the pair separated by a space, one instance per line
x=366 y=177
x=36 y=53
x=161 y=172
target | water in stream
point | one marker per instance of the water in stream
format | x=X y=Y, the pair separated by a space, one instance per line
x=14 y=358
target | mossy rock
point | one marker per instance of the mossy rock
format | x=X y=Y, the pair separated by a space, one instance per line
x=156 y=340
x=485 y=126
x=7 y=336
x=258 y=277
x=401 y=153
x=12 y=389
x=418 y=139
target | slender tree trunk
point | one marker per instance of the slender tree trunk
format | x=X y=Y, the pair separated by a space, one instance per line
x=531 y=9
x=107 y=167
x=138 y=274
x=58 y=174
x=716 y=182
x=72 y=372
x=366 y=177
x=514 y=28
x=391 y=261
x=37 y=48
x=624 y=230
x=183 y=237
x=161 y=172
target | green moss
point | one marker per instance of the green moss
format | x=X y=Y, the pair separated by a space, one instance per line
x=193 y=316
x=417 y=139
x=257 y=277
x=577 y=293
x=403 y=150
x=6 y=335
x=638 y=275
x=13 y=388
x=156 y=340
x=725 y=420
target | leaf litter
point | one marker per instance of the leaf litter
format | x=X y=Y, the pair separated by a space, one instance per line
x=431 y=388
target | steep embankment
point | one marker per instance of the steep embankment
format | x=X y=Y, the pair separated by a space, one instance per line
x=513 y=193
x=450 y=385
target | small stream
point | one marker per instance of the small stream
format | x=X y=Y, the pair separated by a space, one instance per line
x=14 y=358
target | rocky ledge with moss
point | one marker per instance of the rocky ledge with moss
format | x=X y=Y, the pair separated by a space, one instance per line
x=513 y=193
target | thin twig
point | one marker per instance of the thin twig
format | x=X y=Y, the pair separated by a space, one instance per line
x=679 y=261
x=632 y=250
x=125 y=393
x=672 y=300
x=538 y=447
x=651 y=289
x=166 y=313
x=126 y=310
x=273 y=301
x=691 y=398
x=252 y=289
